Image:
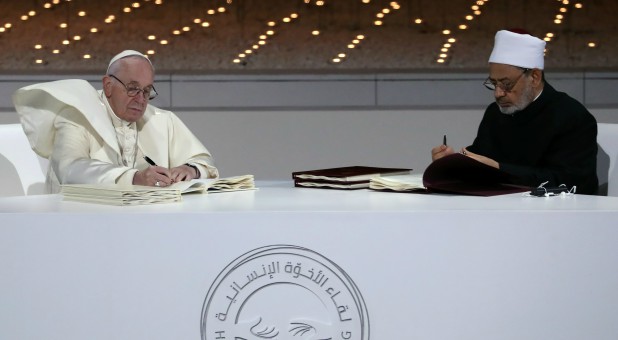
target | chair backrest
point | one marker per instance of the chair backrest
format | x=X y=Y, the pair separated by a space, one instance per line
x=607 y=157
x=19 y=164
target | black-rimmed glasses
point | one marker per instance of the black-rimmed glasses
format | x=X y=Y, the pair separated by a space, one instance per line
x=149 y=92
x=505 y=87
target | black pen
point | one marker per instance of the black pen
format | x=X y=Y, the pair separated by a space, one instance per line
x=150 y=161
x=444 y=140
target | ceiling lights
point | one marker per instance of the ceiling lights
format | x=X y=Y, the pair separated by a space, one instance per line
x=561 y=15
x=380 y=16
x=263 y=39
x=77 y=28
x=449 y=36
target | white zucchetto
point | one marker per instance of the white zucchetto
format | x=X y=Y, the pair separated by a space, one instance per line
x=124 y=54
x=521 y=50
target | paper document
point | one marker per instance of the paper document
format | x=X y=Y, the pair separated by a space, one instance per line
x=114 y=194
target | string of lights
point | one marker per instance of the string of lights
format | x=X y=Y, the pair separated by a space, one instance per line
x=8 y=25
x=559 y=19
x=62 y=33
x=449 y=34
x=28 y=17
x=202 y=22
x=380 y=16
x=262 y=40
x=73 y=37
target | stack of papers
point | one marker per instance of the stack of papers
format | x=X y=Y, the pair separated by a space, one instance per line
x=412 y=182
x=349 y=177
x=114 y=194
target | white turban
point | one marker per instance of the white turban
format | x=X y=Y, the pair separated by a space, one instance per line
x=521 y=50
x=124 y=54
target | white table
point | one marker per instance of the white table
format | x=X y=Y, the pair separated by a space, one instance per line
x=407 y=266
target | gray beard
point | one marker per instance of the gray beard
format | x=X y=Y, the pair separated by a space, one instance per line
x=527 y=96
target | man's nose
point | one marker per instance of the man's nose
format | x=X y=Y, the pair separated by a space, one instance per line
x=499 y=92
x=141 y=97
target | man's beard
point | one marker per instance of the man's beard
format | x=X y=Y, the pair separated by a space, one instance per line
x=527 y=96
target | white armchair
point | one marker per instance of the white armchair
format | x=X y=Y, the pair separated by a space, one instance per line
x=607 y=157
x=22 y=172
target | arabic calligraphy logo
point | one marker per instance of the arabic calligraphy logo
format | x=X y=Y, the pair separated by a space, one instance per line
x=284 y=292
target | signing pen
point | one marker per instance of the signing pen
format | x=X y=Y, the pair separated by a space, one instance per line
x=150 y=161
x=444 y=140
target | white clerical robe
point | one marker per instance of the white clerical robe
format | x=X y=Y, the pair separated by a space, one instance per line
x=67 y=121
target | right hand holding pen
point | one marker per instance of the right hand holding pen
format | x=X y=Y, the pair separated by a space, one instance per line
x=441 y=151
x=153 y=176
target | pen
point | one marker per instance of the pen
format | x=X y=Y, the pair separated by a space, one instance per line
x=444 y=140
x=150 y=161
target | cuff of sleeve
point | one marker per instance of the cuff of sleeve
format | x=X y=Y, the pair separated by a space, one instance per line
x=127 y=177
x=207 y=171
x=198 y=173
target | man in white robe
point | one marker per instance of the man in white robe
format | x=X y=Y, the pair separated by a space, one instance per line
x=108 y=136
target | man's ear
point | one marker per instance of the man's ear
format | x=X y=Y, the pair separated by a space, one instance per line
x=107 y=85
x=537 y=77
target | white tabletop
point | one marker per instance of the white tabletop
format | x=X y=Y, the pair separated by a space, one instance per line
x=282 y=196
x=424 y=266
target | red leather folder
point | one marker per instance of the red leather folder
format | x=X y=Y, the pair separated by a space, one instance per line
x=349 y=177
x=460 y=174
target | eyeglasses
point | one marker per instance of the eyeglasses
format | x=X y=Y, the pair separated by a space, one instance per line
x=506 y=87
x=148 y=92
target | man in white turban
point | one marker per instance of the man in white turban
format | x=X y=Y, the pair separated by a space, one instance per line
x=113 y=135
x=532 y=131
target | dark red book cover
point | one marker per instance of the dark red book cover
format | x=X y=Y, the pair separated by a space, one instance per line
x=460 y=174
x=349 y=177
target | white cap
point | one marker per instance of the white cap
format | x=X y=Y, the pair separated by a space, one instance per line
x=521 y=50
x=124 y=54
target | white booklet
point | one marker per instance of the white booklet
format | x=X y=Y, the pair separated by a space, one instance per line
x=212 y=185
x=412 y=182
x=114 y=194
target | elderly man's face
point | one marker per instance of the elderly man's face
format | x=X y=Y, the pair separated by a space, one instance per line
x=514 y=90
x=133 y=73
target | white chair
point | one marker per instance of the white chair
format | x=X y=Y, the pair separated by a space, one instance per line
x=22 y=171
x=607 y=157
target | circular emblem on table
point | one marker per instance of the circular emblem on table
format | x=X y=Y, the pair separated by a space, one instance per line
x=284 y=292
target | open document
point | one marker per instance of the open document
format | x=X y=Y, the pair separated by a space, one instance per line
x=113 y=194
x=454 y=174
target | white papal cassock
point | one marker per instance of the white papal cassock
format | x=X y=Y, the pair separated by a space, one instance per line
x=70 y=123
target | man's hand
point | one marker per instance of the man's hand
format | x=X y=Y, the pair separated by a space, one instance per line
x=153 y=176
x=441 y=151
x=183 y=173
x=482 y=159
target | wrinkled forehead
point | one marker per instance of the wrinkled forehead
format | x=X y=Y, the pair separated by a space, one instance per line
x=133 y=69
x=499 y=71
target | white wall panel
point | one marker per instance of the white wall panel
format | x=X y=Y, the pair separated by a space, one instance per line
x=359 y=91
